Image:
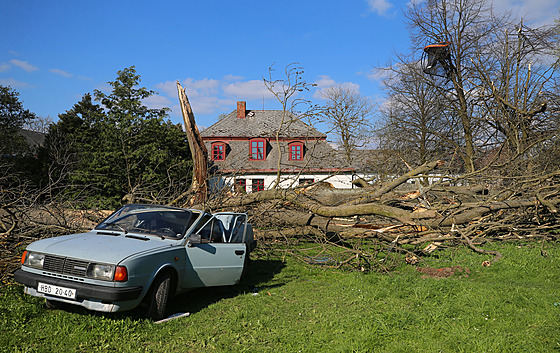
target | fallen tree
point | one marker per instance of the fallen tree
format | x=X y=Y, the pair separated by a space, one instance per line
x=400 y=217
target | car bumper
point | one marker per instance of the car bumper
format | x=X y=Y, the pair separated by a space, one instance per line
x=83 y=290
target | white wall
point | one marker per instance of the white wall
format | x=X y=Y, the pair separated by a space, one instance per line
x=342 y=181
x=338 y=181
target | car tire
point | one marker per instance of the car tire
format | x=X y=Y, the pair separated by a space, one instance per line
x=158 y=297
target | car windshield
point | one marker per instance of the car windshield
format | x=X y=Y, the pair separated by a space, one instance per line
x=153 y=220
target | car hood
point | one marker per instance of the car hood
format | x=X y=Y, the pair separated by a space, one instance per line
x=94 y=247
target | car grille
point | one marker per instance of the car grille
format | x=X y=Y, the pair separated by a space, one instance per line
x=65 y=265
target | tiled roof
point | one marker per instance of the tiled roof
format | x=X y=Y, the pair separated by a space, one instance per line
x=318 y=156
x=261 y=123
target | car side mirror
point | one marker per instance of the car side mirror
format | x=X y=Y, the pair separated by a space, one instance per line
x=195 y=239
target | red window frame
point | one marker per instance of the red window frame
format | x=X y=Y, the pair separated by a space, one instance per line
x=218 y=151
x=241 y=185
x=295 y=151
x=257 y=150
x=257 y=185
x=304 y=181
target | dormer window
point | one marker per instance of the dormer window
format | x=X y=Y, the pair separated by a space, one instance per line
x=295 y=151
x=257 y=150
x=218 y=151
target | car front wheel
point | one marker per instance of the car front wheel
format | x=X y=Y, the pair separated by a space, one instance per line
x=158 y=296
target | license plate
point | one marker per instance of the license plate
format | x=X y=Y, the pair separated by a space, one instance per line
x=56 y=290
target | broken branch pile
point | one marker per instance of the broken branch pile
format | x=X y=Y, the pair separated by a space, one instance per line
x=363 y=228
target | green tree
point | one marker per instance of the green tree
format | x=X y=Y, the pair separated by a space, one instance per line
x=12 y=118
x=121 y=148
x=70 y=142
x=18 y=162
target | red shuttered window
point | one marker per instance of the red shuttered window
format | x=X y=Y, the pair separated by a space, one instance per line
x=296 y=151
x=257 y=150
x=218 y=151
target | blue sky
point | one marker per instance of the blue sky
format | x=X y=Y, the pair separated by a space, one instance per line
x=53 y=52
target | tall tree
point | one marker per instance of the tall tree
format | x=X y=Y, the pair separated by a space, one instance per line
x=13 y=116
x=287 y=91
x=121 y=148
x=71 y=143
x=467 y=25
x=497 y=81
x=518 y=88
x=414 y=122
x=348 y=115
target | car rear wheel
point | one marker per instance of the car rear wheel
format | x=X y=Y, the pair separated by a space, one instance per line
x=158 y=297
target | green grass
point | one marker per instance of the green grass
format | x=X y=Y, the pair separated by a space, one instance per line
x=511 y=306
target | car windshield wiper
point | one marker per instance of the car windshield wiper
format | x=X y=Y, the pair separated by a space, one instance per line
x=116 y=225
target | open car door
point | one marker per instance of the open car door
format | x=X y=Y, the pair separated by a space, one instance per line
x=215 y=256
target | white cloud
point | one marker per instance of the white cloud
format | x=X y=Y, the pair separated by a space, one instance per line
x=535 y=12
x=253 y=89
x=24 y=65
x=378 y=75
x=14 y=83
x=4 y=67
x=167 y=87
x=381 y=7
x=61 y=72
x=204 y=87
x=193 y=88
x=205 y=105
x=156 y=102
x=326 y=82
x=230 y=78
x=212 y=96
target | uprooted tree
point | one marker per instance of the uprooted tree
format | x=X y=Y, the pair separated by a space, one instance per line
x=465 y=159
x=475 y=152
x=363 y=228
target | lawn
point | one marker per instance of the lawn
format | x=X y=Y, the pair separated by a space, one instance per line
x=287 y=306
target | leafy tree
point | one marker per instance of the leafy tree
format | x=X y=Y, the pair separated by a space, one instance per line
x=121 y=148
x=13 y=116
x=18 y=162
x=69 y=143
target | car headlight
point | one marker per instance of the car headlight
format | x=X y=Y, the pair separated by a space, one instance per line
x=103 y=272
x=35 y=259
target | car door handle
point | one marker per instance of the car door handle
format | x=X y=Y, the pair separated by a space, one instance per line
x=239 y=252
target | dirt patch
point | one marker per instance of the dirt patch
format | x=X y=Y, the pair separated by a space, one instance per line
x=444 y=272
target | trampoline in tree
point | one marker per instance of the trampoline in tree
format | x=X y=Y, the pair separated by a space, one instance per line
x=436 y=60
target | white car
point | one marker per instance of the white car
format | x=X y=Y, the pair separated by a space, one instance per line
x=141 y=253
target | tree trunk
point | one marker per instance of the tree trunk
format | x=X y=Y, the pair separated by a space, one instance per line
x=199 y=186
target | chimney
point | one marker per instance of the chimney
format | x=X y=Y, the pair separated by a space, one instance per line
x=241 y=110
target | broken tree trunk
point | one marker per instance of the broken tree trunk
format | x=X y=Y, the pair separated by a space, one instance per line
x=433 y=212
x=199 y=186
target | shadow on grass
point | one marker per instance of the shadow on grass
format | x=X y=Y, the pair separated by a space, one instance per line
x=260 y=272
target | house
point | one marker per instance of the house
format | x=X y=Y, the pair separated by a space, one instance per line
x=251 y=148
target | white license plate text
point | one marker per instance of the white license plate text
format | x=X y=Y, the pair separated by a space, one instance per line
x=56 y=291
